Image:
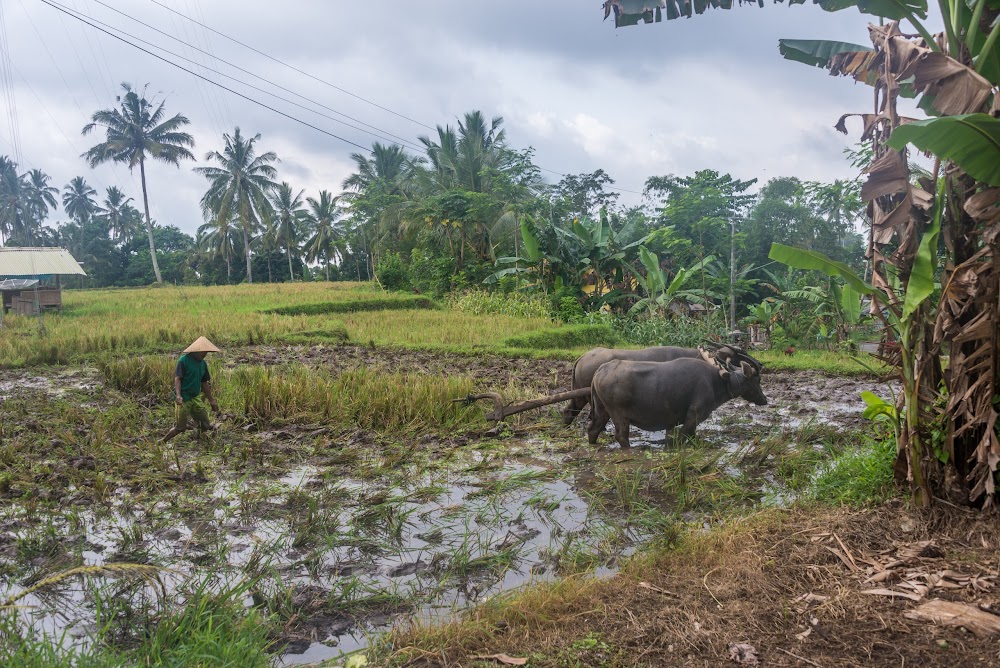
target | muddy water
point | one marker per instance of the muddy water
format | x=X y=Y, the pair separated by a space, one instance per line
x=355 y=553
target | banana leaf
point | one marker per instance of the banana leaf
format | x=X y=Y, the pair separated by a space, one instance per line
x=816 y=52
x=921 y=283
x=971 y=141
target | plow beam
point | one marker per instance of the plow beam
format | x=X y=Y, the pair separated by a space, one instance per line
x=501 y=411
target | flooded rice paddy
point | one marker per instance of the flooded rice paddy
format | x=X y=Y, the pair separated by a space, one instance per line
x=345 y=534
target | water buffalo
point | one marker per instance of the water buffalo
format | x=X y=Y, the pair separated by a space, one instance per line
x=590 y=362
x=663 y=395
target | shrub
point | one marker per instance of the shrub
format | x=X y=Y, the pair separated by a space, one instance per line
x=570 y=310
x=430 y=275
x=517 y=304
x=647 y=330
x=569 y=336
x=391 y=272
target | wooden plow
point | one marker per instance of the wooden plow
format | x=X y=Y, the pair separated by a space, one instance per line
x=501 y=410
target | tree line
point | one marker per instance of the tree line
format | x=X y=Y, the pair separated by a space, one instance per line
x=469 y=209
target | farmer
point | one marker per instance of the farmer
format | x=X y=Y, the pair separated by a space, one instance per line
x=191 y=381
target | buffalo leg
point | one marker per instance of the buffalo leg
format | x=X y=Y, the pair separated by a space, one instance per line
x=573 y=409
x=622 y=427
x=598 y=418
x=690 y=423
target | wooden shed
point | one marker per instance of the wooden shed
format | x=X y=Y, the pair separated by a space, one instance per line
x=30 y=278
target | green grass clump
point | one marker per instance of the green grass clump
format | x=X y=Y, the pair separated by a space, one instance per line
x=394 y=303
x=568 y=336
x=857 y=476
x=829 y=361
x=519 y=304
x=209 y=629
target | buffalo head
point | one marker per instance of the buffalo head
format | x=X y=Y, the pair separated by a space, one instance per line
x=746 y=383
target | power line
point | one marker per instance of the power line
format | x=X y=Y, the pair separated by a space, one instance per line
x=292 y=67
x=69 y=90
x=315 y=78
x=246 y=71
x=82 y=16
x=87 y=20
x=204 y=78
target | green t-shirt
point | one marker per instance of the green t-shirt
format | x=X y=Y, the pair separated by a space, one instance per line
x=192 y=373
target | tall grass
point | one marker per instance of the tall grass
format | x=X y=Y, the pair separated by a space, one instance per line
x=150 y=320
x=207 y=629
x=359 y=397
x=518 y=304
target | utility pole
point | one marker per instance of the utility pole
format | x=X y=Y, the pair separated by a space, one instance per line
x=732 y=272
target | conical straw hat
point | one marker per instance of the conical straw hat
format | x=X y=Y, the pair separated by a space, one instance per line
x=202 y=345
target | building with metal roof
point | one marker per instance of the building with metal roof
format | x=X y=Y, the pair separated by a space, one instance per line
x=27 y=276
x=38 y=263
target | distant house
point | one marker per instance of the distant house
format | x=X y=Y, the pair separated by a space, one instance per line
x=30 y=278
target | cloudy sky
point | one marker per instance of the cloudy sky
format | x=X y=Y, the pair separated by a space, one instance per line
x=669 y=98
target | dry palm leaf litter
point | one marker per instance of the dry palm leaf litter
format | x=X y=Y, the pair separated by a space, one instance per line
x=807 y=587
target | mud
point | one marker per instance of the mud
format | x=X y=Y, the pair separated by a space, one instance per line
x=489 y=371
x=358 y=531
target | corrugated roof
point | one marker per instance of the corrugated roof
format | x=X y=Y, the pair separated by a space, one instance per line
x=33 y=262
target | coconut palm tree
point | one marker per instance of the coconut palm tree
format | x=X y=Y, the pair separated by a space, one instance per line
x=137 y=130
x=324 y=215
x=218 y=238
x=375 y=192
x=41 y=195
x=239 y=186
x=117 y=210
x=12 y=198
x=78 y=200
x=289 y=216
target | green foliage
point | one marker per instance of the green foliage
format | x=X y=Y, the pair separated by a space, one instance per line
x=390 y=303
x=570 y=310
x=392 y=273
x=658 y=330
x=429 y=274
x=567 y=336
x=858 y=476
x=517 y=304
x=971 y=141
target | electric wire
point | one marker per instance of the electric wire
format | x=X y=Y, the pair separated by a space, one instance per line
x=88 y=19
x=215 y=83
x=245 y=71
x=292 y=67
x=327 y=83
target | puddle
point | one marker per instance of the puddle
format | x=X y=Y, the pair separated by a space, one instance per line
x=355 y=547
x=55 y=385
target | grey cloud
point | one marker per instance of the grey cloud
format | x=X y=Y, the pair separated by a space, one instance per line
x=433 y=61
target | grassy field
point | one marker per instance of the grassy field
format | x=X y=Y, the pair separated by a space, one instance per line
x=147 y=320
x=347 y=485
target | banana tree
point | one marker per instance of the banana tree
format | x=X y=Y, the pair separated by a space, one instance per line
x=659 y=288
x=954 y=77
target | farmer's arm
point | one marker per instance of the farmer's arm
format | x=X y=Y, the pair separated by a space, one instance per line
x=178 y=373
x=206 y=389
